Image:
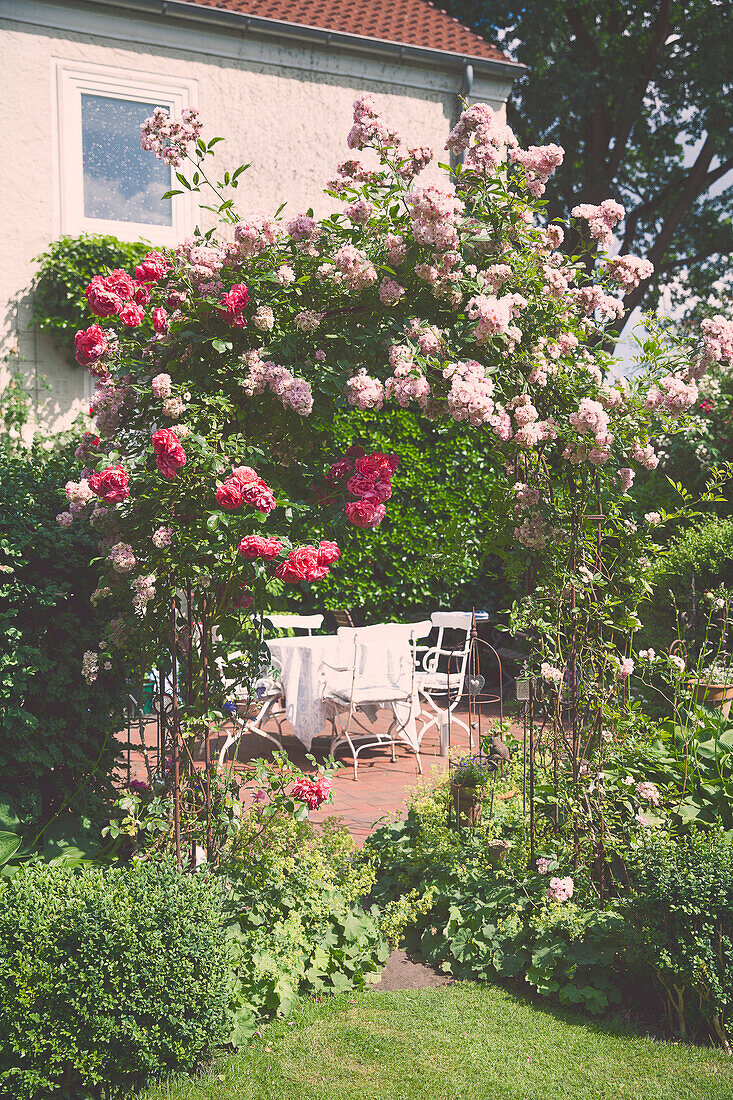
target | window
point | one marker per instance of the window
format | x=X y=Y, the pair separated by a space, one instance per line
x=108 y=184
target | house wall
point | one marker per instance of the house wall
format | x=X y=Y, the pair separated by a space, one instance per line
x=282 y=106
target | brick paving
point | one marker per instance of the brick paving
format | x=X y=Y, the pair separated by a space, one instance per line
x=381 y=791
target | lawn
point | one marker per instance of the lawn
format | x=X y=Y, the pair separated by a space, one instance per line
x=464 y=1042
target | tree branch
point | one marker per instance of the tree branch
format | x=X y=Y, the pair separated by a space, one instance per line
x=659 y=35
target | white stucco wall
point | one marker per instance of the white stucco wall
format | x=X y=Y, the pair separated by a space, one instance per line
x=285 y=108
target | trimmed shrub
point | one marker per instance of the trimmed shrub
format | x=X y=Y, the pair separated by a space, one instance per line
x=681 y=917
x=108 y=978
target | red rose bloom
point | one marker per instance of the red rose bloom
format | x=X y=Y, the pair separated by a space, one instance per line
x=301 y=565
x=311 y=791
x=363 y=514
x=359 y=485
x=165 y=441
x=111 y=484
x=255 y=546
x=377 y=466
x=229 y=494
x=234 y=302
x=160 y=320
x=243 y=599
x=152 y=268
x=258 y=494
x=245 y=475
x=328 y=553
x=102 y=301
x=340 y=470
x=131 y=314
x=90 y=345
x=121 y=284
x=380 y=492
x=169 y=454
x=354 y=451
x=141 y=294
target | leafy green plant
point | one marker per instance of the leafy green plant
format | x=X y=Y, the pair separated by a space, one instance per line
x=472 y=772
x=295 y=919
x=108 y=978
x=57 y=731
x=681 y=915
x=66 y=269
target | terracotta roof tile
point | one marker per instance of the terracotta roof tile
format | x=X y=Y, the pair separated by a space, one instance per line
x=407 y=22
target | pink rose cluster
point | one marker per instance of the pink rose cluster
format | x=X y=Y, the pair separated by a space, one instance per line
x=313 y=792
x=254 y=234
x=560 y=889
x=602 y=220
x=629 y=271
x=308 y=563
x=253 y=547
x=368 y=127
x=244 y=486
x=294 y=393
x=168 y=137
x=407 y=382
x=494 y=316
x=673 y=394
x=365 y=392
x=539 y=162
x=717 y=340
x=433 y=214
x=170 y=456
x=482 y=136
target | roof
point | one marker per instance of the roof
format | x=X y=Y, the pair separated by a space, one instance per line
x=404 y=22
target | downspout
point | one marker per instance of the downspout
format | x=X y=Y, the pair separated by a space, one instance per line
x=464 y=95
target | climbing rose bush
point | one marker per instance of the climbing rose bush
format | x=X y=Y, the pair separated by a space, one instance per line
x=215 y=361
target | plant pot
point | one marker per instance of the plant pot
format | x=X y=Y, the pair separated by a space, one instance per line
x=713 y=695
x=466 y=804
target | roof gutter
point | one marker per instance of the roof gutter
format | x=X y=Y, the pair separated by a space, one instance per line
x=297 y=32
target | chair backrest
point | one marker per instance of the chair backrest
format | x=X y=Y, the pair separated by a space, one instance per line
x=457 y=655
x=342 y=618
x=308 y=623
x=381 y=656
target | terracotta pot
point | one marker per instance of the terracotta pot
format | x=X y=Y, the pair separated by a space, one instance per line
x=713 y=695
x=466 y=804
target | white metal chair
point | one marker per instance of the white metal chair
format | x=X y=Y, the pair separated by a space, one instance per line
x=269 y=691
x=377 y=671
x=436 y=680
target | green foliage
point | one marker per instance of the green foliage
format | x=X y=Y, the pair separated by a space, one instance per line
x=682 y=917
x=479 y=920
x=295 y=922
x=638 y=95
x=66 y=269
x=691 y=761
x=56 y=731
x=699 y=560
x=108 y=978
x=430 y=551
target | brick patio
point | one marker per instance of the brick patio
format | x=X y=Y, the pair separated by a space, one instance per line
x=382 y=788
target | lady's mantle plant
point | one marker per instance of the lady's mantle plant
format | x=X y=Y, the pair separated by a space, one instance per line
x=214 y=362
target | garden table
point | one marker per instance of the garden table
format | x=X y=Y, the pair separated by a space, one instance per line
x=301 y=663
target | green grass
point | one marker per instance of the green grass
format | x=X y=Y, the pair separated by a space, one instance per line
x=465 y=1042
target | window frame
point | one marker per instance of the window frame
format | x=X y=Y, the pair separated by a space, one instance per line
x=74 y=79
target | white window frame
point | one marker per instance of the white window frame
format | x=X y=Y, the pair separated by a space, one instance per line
x=73 y=79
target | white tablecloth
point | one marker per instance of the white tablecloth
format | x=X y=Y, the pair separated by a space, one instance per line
x=304 y=667
x=301 y=661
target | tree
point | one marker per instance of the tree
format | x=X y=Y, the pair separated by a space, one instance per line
x=639 y=97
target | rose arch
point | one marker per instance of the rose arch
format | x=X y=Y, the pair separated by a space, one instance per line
x=216 y=363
